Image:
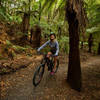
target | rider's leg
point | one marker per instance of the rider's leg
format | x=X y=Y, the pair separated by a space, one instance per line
x=55 y=62
x=49 y=54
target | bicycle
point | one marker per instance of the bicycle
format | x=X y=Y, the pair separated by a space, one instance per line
x=38 y=74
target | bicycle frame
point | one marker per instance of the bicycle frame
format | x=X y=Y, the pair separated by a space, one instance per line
x=46 y=60
x=40 y=69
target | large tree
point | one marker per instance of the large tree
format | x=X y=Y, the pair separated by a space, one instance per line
x=76 y=20
x=75 y=15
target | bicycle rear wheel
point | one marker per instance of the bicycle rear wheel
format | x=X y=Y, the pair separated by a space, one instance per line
x=38 y=75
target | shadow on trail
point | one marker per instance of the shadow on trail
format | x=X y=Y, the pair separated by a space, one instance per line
x=91 y=81
x=47 y=84
x=47 y=81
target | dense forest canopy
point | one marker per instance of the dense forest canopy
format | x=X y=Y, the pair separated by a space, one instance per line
x=49 y=16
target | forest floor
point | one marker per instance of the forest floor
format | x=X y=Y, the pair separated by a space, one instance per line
x=18 y=85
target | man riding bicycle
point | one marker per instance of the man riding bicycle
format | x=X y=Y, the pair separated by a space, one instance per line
x=54 y=49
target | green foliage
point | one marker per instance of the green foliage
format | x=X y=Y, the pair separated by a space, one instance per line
x=95 y=47
x=16 y=48
x=8 y=44
x=52 y=16
x=93 y=13
x=64 y=44
x=3 y=15
x=19 y=49
x=28 y=47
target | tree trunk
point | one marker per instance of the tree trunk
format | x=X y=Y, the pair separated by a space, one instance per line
x=25 y=25
x=99 y=49
x=90 y=43
x=74 y=68
x=35 y=36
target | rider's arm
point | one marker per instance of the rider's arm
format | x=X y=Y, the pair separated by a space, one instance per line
x=57 y=49
x=45 y=44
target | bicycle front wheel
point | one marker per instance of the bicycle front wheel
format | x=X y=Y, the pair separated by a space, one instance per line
x=38 y=75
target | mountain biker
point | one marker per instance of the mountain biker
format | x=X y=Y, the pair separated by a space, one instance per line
x=54 y=49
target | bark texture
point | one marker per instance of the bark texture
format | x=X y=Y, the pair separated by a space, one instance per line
x=35 y=39
x=76 y=20
x=25 y=25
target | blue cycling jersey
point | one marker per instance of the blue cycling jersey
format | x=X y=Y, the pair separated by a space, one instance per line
x=51 y=45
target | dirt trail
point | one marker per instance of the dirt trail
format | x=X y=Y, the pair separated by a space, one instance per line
x=18 y=86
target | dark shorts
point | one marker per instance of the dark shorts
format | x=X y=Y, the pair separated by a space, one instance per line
x=53 y=50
